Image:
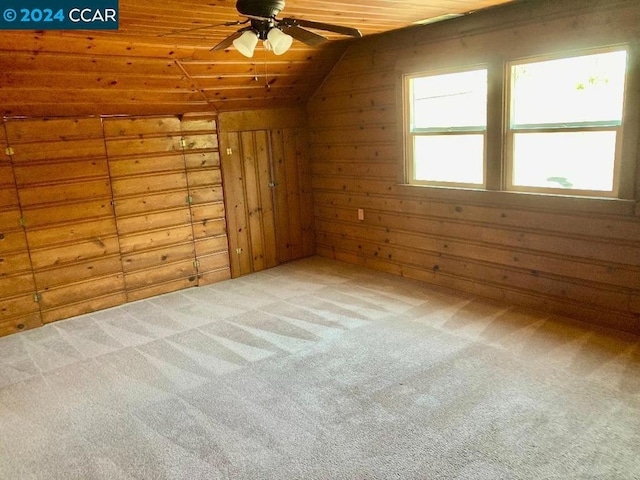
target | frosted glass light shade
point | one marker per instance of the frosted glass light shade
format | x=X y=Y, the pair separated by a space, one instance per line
x=246 y=43
x=280 y=42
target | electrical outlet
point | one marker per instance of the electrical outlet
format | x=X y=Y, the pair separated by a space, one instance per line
x=360 y=214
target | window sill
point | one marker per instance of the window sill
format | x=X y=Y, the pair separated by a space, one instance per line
x=525 y=200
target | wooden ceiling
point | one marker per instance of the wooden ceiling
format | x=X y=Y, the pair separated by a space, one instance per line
x=147 y=68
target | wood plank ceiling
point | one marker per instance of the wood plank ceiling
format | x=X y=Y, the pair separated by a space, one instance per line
x=146 y=68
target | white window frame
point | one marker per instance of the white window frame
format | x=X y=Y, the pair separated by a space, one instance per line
x=625 y=197
x=594 y=126
x=410 y=134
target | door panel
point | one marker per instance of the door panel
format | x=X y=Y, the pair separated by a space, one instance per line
x=265 y=187
x=65 y=194
x=152 y=204
x=95 y=212
x=204 y=180
x=234 y=187
x=268 y=193
x=248 y=192
x=283 y=229
x=18 y=308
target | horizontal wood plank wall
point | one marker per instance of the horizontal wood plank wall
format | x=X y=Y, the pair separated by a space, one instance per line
x=18 y=307
x=64 y=190
x=80 y=231
x=151 y=196
x=577 y=257
x=204 y=181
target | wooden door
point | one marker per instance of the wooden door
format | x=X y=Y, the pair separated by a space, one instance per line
x=204 y=182
x=248 y=186
x=18 y=300
x=151 y=200
x=64 y=190
x=268 y=193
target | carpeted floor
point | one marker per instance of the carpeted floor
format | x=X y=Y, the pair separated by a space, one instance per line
x=319 y=370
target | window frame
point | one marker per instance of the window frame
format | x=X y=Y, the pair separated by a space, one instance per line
x=569 y=127
x=409 y=135
x=627 y=201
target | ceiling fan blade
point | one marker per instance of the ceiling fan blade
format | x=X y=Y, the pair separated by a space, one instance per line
x=305 y=36
x=229 y=40
x=203 y=27
x=352 y=32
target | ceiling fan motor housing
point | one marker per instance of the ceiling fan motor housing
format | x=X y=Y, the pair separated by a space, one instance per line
x=260 y=8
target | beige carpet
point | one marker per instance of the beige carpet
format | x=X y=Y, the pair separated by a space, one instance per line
x=319 y=370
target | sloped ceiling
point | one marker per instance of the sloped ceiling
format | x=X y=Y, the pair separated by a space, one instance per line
x=146 y=67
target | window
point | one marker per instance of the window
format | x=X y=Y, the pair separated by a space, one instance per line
x=447 y=118
x=547 y=125
x=565 y=124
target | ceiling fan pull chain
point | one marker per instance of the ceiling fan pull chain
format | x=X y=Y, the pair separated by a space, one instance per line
x=266 y=77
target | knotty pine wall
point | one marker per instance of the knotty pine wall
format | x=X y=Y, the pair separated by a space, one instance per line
x=95 y=212
x=268 y=191
x=62 y=178
x=579 y=257
x=18 y=310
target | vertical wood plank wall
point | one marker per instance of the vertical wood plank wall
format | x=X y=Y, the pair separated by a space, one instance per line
x=577 y=257
x=18 y=308
x=247 y=167
x=267 y=225
x=63 y=183
x=96 y=212
x=237 y=213
x=294 y=219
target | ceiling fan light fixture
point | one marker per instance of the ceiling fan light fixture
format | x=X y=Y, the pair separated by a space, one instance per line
x=246 y=43
x=277 y=34
x=280 y=42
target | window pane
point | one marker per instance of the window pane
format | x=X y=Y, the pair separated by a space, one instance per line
x=588 y=88
x=449 y=158
x=572 y=160
x=451 y=100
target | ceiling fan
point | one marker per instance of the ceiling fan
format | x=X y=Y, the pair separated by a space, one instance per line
x=277 y=34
